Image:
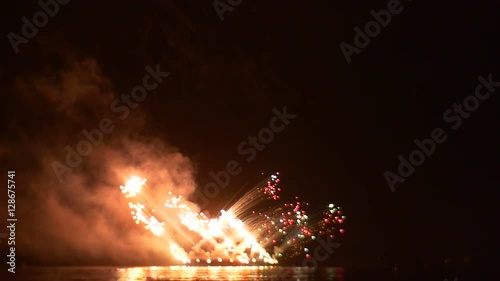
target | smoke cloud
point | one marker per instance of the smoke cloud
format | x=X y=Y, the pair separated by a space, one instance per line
x=84 y=218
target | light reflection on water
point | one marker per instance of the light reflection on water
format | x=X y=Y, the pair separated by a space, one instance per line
x=181 y=273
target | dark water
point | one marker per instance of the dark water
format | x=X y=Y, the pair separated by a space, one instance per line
x=178 y=273
x=221 y=273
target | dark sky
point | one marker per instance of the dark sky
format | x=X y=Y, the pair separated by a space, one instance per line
x=353 y=119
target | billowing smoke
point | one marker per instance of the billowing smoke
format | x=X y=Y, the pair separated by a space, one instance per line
x=73 y=211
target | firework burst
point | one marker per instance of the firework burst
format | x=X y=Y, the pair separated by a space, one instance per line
x=257 y=228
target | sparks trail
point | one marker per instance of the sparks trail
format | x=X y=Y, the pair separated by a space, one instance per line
x=257 y=228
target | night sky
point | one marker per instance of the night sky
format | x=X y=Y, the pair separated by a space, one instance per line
x=225 y=78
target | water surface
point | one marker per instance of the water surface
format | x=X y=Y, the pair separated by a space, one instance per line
x=178 y=273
